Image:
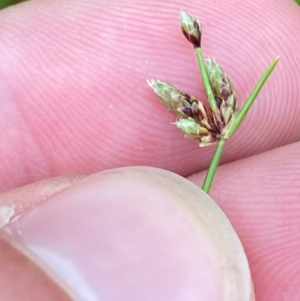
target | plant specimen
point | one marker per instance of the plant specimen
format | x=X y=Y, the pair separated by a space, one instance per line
x=217 y=123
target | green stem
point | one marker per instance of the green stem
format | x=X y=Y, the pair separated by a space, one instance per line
x=205 y=79
x=213 y=166
x=6 y=3
x=243 y=112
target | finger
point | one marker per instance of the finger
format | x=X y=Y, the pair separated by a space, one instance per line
x=97 y=237
x=29 y=196
x=260 y=195
x=29 y=282
x=74 y=96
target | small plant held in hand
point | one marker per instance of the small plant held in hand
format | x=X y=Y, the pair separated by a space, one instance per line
x=217 y=123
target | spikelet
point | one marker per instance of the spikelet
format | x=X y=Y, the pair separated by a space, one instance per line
x=193 y=119
x=191 y=28
x=223 y=91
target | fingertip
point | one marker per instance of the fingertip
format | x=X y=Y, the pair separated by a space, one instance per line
x=136 y=234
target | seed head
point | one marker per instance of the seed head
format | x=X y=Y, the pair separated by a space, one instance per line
x=191 y=28
x=180 y=103
x=191 y=127
x=193 y=118
x=193 y=130
x=220 y=82
x=176 y=101
x=223 y=92
x=169 y=95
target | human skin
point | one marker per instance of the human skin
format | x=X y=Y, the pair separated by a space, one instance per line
x=74 y=101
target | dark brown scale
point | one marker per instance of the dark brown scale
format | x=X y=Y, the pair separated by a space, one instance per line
x=187 y=98
x=185 y=34
x=188 y=112
x=218 y=101
x=225 y=93
x=219 y=126
x=196 y=25
x=196 y=42
x=214 y=128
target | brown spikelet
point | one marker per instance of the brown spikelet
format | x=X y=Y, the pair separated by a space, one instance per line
x=193 y=118
x=191 y=28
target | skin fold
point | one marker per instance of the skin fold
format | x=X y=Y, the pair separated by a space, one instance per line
x=74 y=101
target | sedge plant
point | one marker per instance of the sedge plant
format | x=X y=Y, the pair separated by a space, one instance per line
x=216 y=124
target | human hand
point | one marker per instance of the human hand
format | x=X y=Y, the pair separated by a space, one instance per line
x=75 y=101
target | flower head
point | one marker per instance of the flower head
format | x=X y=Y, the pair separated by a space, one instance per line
x=219 y=121
x=223 y=91
x=193 y=119
x=195 y=131
x=169 y=95
x=191 y=28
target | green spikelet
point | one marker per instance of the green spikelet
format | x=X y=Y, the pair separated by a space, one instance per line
x=222 y=89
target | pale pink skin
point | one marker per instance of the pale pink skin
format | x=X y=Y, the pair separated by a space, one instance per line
x=74 y=101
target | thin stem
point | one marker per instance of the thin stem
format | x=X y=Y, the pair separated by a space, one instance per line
x=5 y=3
x=205 y=79
x=243 y=112
x=213 y=166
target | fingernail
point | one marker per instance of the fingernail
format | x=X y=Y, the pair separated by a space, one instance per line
x=135 y=233
x=14 y=202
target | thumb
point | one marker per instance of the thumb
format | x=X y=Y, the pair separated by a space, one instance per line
x=135 y=234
